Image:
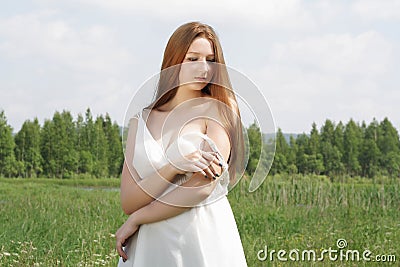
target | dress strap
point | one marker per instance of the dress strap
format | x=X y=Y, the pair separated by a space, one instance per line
x=137 y=115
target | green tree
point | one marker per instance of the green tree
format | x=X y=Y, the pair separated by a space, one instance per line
x=352 y=141
x=370 y=154
x=58 y=145
x=115 y=153
x=330 y=152
x=313 y=144
x=301 y=156
x=100 y=149
x=314 y=159
x=291 y=156
x=338 y=139
x=47 y=149
x=85 y=143
x=27 y=148
x=389 y=146
x=7 y=145
x=254 y=135
x=280 y=164
x=392 y=160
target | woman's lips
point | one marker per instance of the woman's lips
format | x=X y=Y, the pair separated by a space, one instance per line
x=202 y=79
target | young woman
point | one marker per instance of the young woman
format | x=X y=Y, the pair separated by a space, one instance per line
x=175 y=177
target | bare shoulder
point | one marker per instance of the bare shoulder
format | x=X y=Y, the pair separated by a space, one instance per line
x=213 y=103
x=217 y=132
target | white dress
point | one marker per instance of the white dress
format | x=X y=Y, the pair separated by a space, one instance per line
x=204 y=236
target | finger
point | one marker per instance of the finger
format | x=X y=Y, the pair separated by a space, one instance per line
x=204 y=162
x=212 y=158
x=200 y=165
x=218 y=159
x=207 y=172
x=209 y=156
x=215 y=157
x=211 y=167
x=121 y=251
x=203 y=172
x=210 y=174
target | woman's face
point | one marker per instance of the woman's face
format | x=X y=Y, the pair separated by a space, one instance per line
x=196 y=68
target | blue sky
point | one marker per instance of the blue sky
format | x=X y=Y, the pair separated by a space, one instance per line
x=312 y=60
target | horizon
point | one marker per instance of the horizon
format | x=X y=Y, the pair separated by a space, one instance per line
x=74 y=116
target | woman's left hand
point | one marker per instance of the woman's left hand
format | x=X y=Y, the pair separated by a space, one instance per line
x=124 y=233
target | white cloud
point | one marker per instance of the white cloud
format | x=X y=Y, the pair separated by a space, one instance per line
x=282 y=14
x=329 y=76
x=365 y=54
x=56 y=64
x=45 y=37
x=377 y=10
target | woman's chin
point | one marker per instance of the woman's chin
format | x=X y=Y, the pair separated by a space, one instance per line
x=197 y=86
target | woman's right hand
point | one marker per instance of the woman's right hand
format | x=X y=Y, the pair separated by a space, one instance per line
x=184 y=157
x=198 y=161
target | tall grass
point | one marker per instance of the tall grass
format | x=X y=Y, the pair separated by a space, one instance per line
x=46 y=222
x=310 y=212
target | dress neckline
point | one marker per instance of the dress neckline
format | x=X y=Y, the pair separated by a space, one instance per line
x=204 y=136
x=150 y=134
x=160 y=146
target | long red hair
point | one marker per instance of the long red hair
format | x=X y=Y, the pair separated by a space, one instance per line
x=219 y=88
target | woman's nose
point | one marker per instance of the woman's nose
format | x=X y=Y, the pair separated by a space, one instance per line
x=203 y=66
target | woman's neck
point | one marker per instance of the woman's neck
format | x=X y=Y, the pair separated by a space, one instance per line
x=181 y=96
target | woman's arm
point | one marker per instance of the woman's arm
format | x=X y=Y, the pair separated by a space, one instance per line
x=190 y=193
x=179 y=200
x=136 y=192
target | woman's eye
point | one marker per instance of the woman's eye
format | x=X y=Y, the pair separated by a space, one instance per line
x=192 y=58
x=211 y=60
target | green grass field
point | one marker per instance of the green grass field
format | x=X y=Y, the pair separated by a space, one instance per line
x=52 y=222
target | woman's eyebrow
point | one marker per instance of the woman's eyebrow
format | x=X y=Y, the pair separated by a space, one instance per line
x=194 y=52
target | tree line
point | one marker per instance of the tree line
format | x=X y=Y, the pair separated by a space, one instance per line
x=350 y=149
x=62 y=147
